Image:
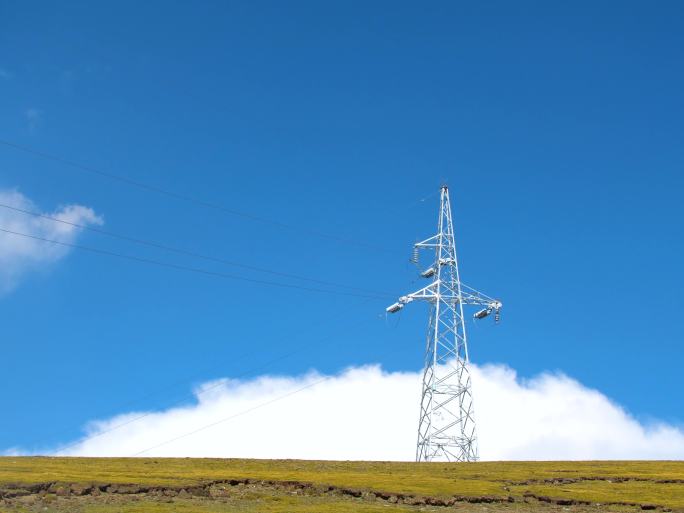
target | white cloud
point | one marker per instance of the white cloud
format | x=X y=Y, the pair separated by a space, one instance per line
x=34 y=118
x=19 y=255
x=365 y=413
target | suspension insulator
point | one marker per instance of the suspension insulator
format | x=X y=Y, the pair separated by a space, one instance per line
x=414 y=257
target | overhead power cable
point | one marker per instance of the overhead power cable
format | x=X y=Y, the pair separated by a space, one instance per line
x=179 y=251
x=190 y=269
x=218 y=384
x=187 y=198
x=236 y=415
x=176 y=402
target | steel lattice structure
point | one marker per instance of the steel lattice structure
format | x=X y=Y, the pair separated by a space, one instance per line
x=446 y=428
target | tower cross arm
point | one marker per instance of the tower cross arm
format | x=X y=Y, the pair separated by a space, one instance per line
x=432 y=242
x=429 y=292
x=470 y=296
x=465 y=295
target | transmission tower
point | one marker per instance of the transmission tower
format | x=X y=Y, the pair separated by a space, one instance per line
x=446 y=429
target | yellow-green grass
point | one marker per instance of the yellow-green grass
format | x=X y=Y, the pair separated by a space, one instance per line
x=435 y=479
x=640 y=492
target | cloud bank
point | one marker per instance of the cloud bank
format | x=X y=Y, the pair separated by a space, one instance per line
x=20 y=255
x=365 y=413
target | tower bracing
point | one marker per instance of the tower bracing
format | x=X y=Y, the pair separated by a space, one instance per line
x=446 y=426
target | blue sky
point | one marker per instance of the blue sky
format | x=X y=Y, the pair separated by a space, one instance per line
x=558 y=128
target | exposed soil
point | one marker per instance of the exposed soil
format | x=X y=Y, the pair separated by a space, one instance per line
x=221 y=488
x=571 y=480
x=13 y=495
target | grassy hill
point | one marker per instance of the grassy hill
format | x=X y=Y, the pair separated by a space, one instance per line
x=104 y=485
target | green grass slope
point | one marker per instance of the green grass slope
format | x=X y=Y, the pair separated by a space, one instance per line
x=172 y=484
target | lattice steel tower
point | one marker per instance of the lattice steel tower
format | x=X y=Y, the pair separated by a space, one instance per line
x=446 y=429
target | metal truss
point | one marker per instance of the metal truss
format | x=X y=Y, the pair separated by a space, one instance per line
x=446 y=427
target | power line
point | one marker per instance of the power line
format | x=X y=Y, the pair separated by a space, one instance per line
x=240 y=413
x=174 y=403
x=186 y=198
x=209 y=388
x=236 y=415
x=179 y=251
x=189 y=269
